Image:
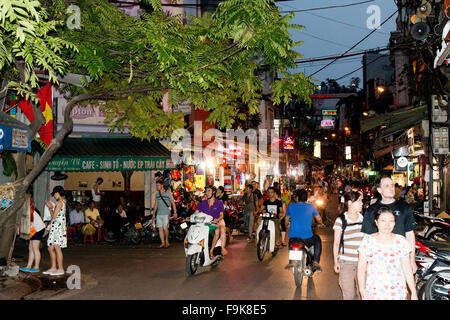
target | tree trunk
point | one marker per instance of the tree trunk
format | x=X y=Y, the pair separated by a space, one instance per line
x=9 y=218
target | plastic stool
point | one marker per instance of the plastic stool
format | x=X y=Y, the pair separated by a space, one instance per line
x=88 y=238
x=99 y=233
x=71 y=233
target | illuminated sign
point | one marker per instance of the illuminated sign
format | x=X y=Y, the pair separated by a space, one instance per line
x=288 y=143
x=317 y=149
x=321 y=96
x=327 y=123
x=348 y=153
x=329 y=112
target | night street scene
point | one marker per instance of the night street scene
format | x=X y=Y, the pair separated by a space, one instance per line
x=224 y=158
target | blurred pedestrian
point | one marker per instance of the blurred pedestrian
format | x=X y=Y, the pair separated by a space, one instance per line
x=384 y=268
x=97 y=193
x=249 y=211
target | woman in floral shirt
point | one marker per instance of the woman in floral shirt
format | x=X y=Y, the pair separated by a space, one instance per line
x=384 y=270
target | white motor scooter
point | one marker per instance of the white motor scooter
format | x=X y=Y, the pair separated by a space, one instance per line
x=197 y=244
x=265 y=235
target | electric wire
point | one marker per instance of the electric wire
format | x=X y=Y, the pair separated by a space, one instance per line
x=329 y=7
x=354 y=46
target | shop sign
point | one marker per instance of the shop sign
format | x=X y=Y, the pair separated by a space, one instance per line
x=288 y=143
x=327 y=123
x=14 y=139
x=109 y=164
x=329 y=112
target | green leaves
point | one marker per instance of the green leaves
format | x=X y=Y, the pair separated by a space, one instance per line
x=213 y=61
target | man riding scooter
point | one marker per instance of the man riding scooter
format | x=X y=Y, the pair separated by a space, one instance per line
x=215 y=209
x=299 y=217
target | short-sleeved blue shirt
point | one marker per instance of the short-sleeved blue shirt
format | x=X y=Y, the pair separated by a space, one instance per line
x=301 y=215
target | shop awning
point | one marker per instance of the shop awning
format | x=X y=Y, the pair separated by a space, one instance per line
x=14 y=135
x=110 y=154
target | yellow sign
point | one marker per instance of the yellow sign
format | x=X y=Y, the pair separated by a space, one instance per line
x=200 y=181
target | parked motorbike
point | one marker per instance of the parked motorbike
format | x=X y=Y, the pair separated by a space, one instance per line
x=129 y=231
x=436 y=229
x=300 y=260
x=429 y=261
x=234 y=220
x=177 y=229
x=438 y=286
x=197 y=244
x=265 y=235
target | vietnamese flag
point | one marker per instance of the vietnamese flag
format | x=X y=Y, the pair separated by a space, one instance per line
x=45 y=101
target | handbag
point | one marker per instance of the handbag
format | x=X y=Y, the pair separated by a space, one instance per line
x=88 y=229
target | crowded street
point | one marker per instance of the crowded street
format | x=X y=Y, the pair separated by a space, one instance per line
x=152 y=274
x=224 y=150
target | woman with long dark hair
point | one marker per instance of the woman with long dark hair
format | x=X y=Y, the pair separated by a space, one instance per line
x=347 y=239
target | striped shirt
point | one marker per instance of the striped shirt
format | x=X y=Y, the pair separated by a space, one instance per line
x=352 y=238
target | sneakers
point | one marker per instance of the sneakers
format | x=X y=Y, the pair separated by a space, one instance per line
x=25 y=269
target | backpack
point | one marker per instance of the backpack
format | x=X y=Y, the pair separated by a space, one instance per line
x=344 y=226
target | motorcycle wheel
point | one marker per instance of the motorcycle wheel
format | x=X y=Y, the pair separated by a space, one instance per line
x=298 y=276
x=439 y=235
x=262 y=246
x=191 y=264
x=438 y=286
x=135 y=236
x=107 y=235
x=421 y=293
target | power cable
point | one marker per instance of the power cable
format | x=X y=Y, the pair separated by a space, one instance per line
x=325 y=40
x=344 y=23
x=347 y=74
x=330 y=7
x=373 y=31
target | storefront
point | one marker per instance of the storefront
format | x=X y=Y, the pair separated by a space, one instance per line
x=127 y=166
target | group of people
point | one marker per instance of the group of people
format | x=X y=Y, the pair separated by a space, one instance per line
x=57 y=235
x=374 y=253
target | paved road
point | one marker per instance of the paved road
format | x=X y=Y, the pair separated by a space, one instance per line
x=124 y=271
x=146 y=272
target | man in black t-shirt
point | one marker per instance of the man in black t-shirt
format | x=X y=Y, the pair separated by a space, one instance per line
x=274 y=205
x=404 y=218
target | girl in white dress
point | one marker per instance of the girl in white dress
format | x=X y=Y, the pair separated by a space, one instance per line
x=57 y=238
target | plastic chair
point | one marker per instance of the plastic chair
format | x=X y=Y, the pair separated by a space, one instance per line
x=99 y=234
x=88 y=238
x=71 y=233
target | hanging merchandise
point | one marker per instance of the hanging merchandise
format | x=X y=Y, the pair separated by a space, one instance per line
x=175 y=175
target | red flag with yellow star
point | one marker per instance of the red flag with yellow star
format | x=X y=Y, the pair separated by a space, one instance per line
x=45 y=100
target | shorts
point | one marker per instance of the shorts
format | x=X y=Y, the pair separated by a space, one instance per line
x=38 y=235
x=162 y=221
